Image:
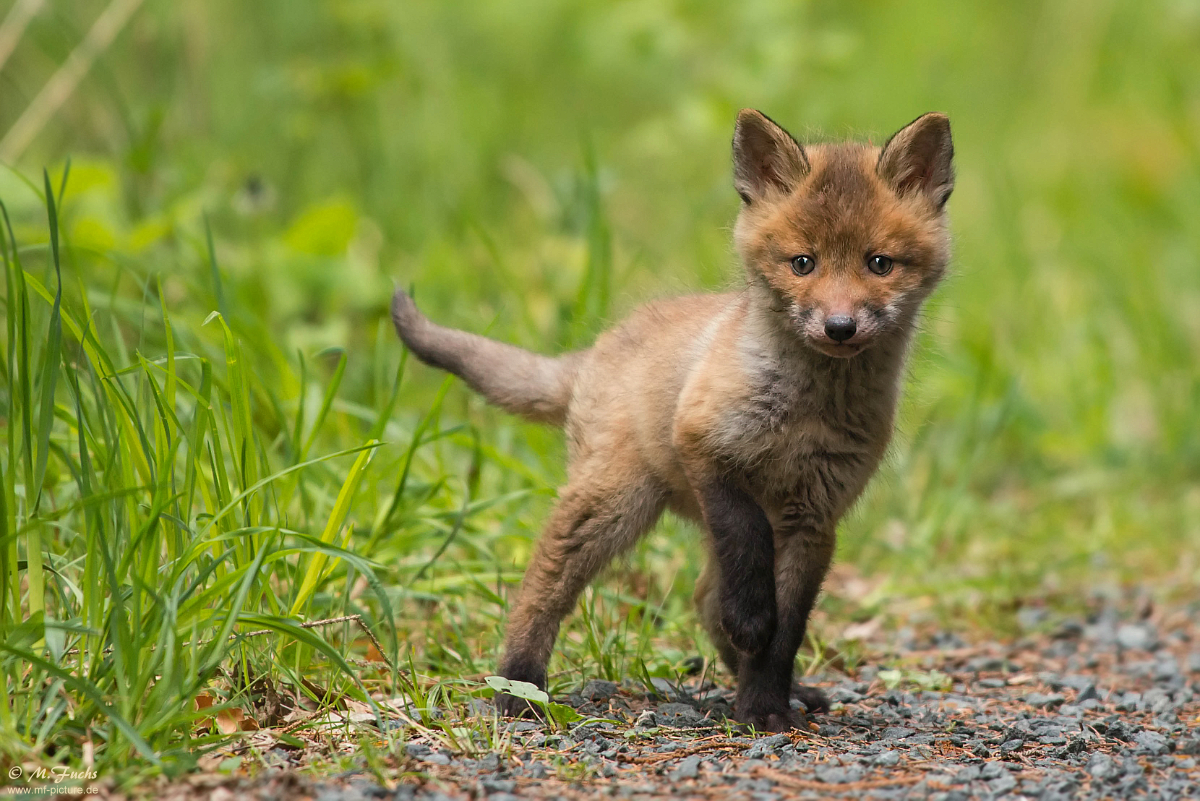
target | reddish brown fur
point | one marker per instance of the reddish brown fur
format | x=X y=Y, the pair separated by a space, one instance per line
x=737 y=411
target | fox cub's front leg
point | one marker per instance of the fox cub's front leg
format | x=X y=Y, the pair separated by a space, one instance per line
x=744 y=547
x=763 y=598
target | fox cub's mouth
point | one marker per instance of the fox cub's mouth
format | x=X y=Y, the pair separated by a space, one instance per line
x=838 y=350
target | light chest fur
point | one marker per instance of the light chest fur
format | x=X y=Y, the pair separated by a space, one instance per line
x=803 y=432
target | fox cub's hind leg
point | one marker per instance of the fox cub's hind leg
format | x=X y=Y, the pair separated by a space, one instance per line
x=597 y=517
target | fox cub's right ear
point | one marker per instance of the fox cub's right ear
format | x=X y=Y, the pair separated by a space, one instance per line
x=766 y=159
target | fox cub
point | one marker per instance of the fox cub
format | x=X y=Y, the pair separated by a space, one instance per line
x=759 y=414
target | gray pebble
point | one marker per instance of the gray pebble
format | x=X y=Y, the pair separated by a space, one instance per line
x=1002 y=784
x=1012 y=746
x=838 y=775
x=688 y=769
x=598 y=690
x=1136 y=637
x=678 y=715
x=1102 y=766
x=498 y=785
x=886 y=759
x=1151 y=742
x=843 y=695
x=897 y=732
x=1044 y=701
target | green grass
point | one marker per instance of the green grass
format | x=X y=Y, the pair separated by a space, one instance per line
x=209 y=428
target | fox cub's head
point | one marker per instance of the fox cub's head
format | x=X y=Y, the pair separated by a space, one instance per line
x=849 y=239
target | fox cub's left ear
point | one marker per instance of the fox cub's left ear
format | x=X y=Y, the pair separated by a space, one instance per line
x=920 y=157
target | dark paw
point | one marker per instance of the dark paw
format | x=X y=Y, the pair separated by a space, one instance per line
x=516 y=669
x=813 y=699
x=513 y=707
x=777 y=720
x=750 y=626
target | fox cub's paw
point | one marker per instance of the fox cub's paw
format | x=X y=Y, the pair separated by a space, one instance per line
x=519 y=670
x=749 y=622
x=777 y=720
x=513 y=707
x=813 y=699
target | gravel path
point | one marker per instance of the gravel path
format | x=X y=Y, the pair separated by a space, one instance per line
x=1103 y=708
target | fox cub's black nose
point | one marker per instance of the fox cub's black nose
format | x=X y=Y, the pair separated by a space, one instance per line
x=840 y=328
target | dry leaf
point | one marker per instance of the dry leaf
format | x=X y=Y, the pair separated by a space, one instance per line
x=229 y=720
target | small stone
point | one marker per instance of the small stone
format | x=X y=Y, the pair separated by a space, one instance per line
x=843 y=695
x=838 y=775
x=988 y=664
x=1120 y=730
x=679 y=715
x=498 y=785
x=1087 y=693
x=664 y=688
x=1044 y=701
x=1102 y=766
x=1129 y=702
x=598 y=690
x=886 y=759
x=1189 y=746
x=1068 y=630
x=435 y=759
x=897 y=732
x=1002 y=784
x=992 y=770
x=1135 y=637
x=966 y=775
x=1012 y=746
x=1151 y=742
x=646 y=720
x=688 y=769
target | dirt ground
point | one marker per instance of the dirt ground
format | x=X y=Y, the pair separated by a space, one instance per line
x=1106 y=706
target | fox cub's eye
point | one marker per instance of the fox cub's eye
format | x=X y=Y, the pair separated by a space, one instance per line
x=803 y=265
x=880 y=265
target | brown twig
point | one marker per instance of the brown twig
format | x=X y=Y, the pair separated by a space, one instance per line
x=684 y=752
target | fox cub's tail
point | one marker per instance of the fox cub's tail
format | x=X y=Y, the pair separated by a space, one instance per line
x=525 y=383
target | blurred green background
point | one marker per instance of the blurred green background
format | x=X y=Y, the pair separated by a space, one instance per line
x=536 y=168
